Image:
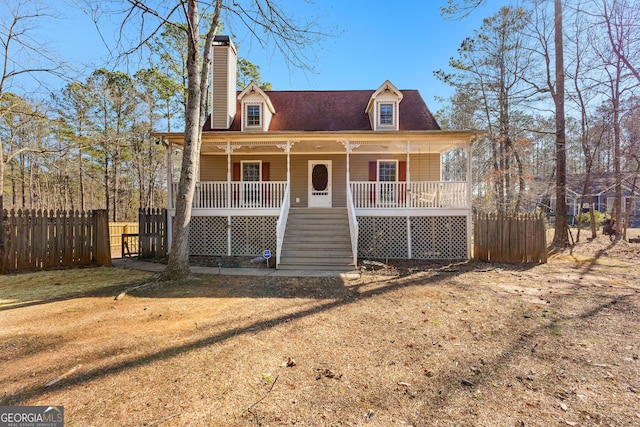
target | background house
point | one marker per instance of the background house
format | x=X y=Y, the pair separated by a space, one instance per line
x=602 y=190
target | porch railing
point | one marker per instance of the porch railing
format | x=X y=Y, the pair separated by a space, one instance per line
x=401 y=195
x=282 y=224
x=353 y=226
x=237 y=195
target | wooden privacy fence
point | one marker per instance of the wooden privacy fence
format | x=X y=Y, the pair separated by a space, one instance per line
x=501 y=238
x=39 y=240
x=117 y=229
x=152 y=233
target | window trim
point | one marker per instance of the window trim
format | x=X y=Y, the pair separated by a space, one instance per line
x=243 y=162
x=395 y=161
x=391 y=115
x=259 y=115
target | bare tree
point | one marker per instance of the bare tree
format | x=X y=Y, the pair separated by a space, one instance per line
x=457 y=9
x=265 y=20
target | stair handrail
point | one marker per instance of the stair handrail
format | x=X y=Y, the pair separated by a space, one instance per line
x=353 y=226
x=282 y=224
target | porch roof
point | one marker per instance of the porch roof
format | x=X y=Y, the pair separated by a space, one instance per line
x=426 y=141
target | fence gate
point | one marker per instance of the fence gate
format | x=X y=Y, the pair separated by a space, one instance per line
x=152 y=233
x=502 y=238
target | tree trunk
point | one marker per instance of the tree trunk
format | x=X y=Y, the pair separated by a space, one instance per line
x=198 y=78
x=561 y=235
x=178 y=262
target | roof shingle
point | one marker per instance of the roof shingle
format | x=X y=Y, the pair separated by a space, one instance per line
x=336 y=111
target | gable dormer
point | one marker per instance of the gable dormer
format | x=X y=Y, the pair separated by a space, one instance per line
x=257 y=109
x=384 y=107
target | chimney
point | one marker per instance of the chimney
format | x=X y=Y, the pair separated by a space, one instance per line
x=223 y=83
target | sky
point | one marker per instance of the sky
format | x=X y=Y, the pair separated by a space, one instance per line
x=371 y=41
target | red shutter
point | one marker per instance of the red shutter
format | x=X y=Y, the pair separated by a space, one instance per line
x=266 y=194
x=373 y=176
x=402 y=177
x=236 y=177
x=373 y=171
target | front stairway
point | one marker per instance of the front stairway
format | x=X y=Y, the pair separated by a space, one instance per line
x=317 y=239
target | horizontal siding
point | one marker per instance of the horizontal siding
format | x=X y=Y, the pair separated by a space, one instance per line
x=220 y=90
x=300 y=179
x=214 y=168
x=422 y=167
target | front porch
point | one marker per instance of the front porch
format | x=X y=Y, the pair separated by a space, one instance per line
x=396 y=202
x=221 y=198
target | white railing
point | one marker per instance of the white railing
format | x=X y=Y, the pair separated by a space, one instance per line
x=353 y=226
x=237 y=195
x=412 y=195
x=282 y=224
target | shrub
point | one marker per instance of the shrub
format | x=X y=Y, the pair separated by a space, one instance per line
x=585 y=219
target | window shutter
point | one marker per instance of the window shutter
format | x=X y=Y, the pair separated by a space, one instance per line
x=373 y=171
x=402 y=177
x=402 y=171
x=373 y=176
x=266 y=194
x=236 y=172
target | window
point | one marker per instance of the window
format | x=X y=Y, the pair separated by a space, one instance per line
x=253 y=115
x=386 y=114
x=251 y=194
x=251 y=171
x=387 y=170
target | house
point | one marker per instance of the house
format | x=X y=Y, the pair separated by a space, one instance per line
x=321 y=178
x=602 y=189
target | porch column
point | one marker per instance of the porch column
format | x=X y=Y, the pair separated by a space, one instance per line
x=287 y=149
x=228 y=174
x=349 y=147
x=408 y=162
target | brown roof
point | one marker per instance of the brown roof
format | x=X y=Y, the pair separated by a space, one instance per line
x=336 y=111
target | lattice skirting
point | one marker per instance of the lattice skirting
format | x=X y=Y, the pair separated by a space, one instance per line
x=249 y=235
x=414 y=237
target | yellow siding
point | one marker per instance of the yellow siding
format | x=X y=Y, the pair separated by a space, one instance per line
x=422 y=167
x=300 y=179
x=214 y=168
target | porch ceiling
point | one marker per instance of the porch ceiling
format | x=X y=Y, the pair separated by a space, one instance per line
x=329 y=142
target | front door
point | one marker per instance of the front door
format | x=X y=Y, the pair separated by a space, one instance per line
x=319 y=183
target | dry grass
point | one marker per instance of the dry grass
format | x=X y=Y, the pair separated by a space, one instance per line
x=420 y=344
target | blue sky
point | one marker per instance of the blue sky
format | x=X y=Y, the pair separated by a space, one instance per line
x=403 y=41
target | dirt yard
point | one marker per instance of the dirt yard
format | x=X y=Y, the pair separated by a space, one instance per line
x=416 y=344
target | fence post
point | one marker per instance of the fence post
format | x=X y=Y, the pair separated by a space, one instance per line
x=101 y=243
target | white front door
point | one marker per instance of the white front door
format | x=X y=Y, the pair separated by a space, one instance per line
x=319 y=183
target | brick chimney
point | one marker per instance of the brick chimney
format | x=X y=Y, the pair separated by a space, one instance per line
x=223 y=84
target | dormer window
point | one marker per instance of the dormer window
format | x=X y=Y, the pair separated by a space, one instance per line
x=386 y=114
x=253 y=115
x=383 y=108
x=257 y=109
